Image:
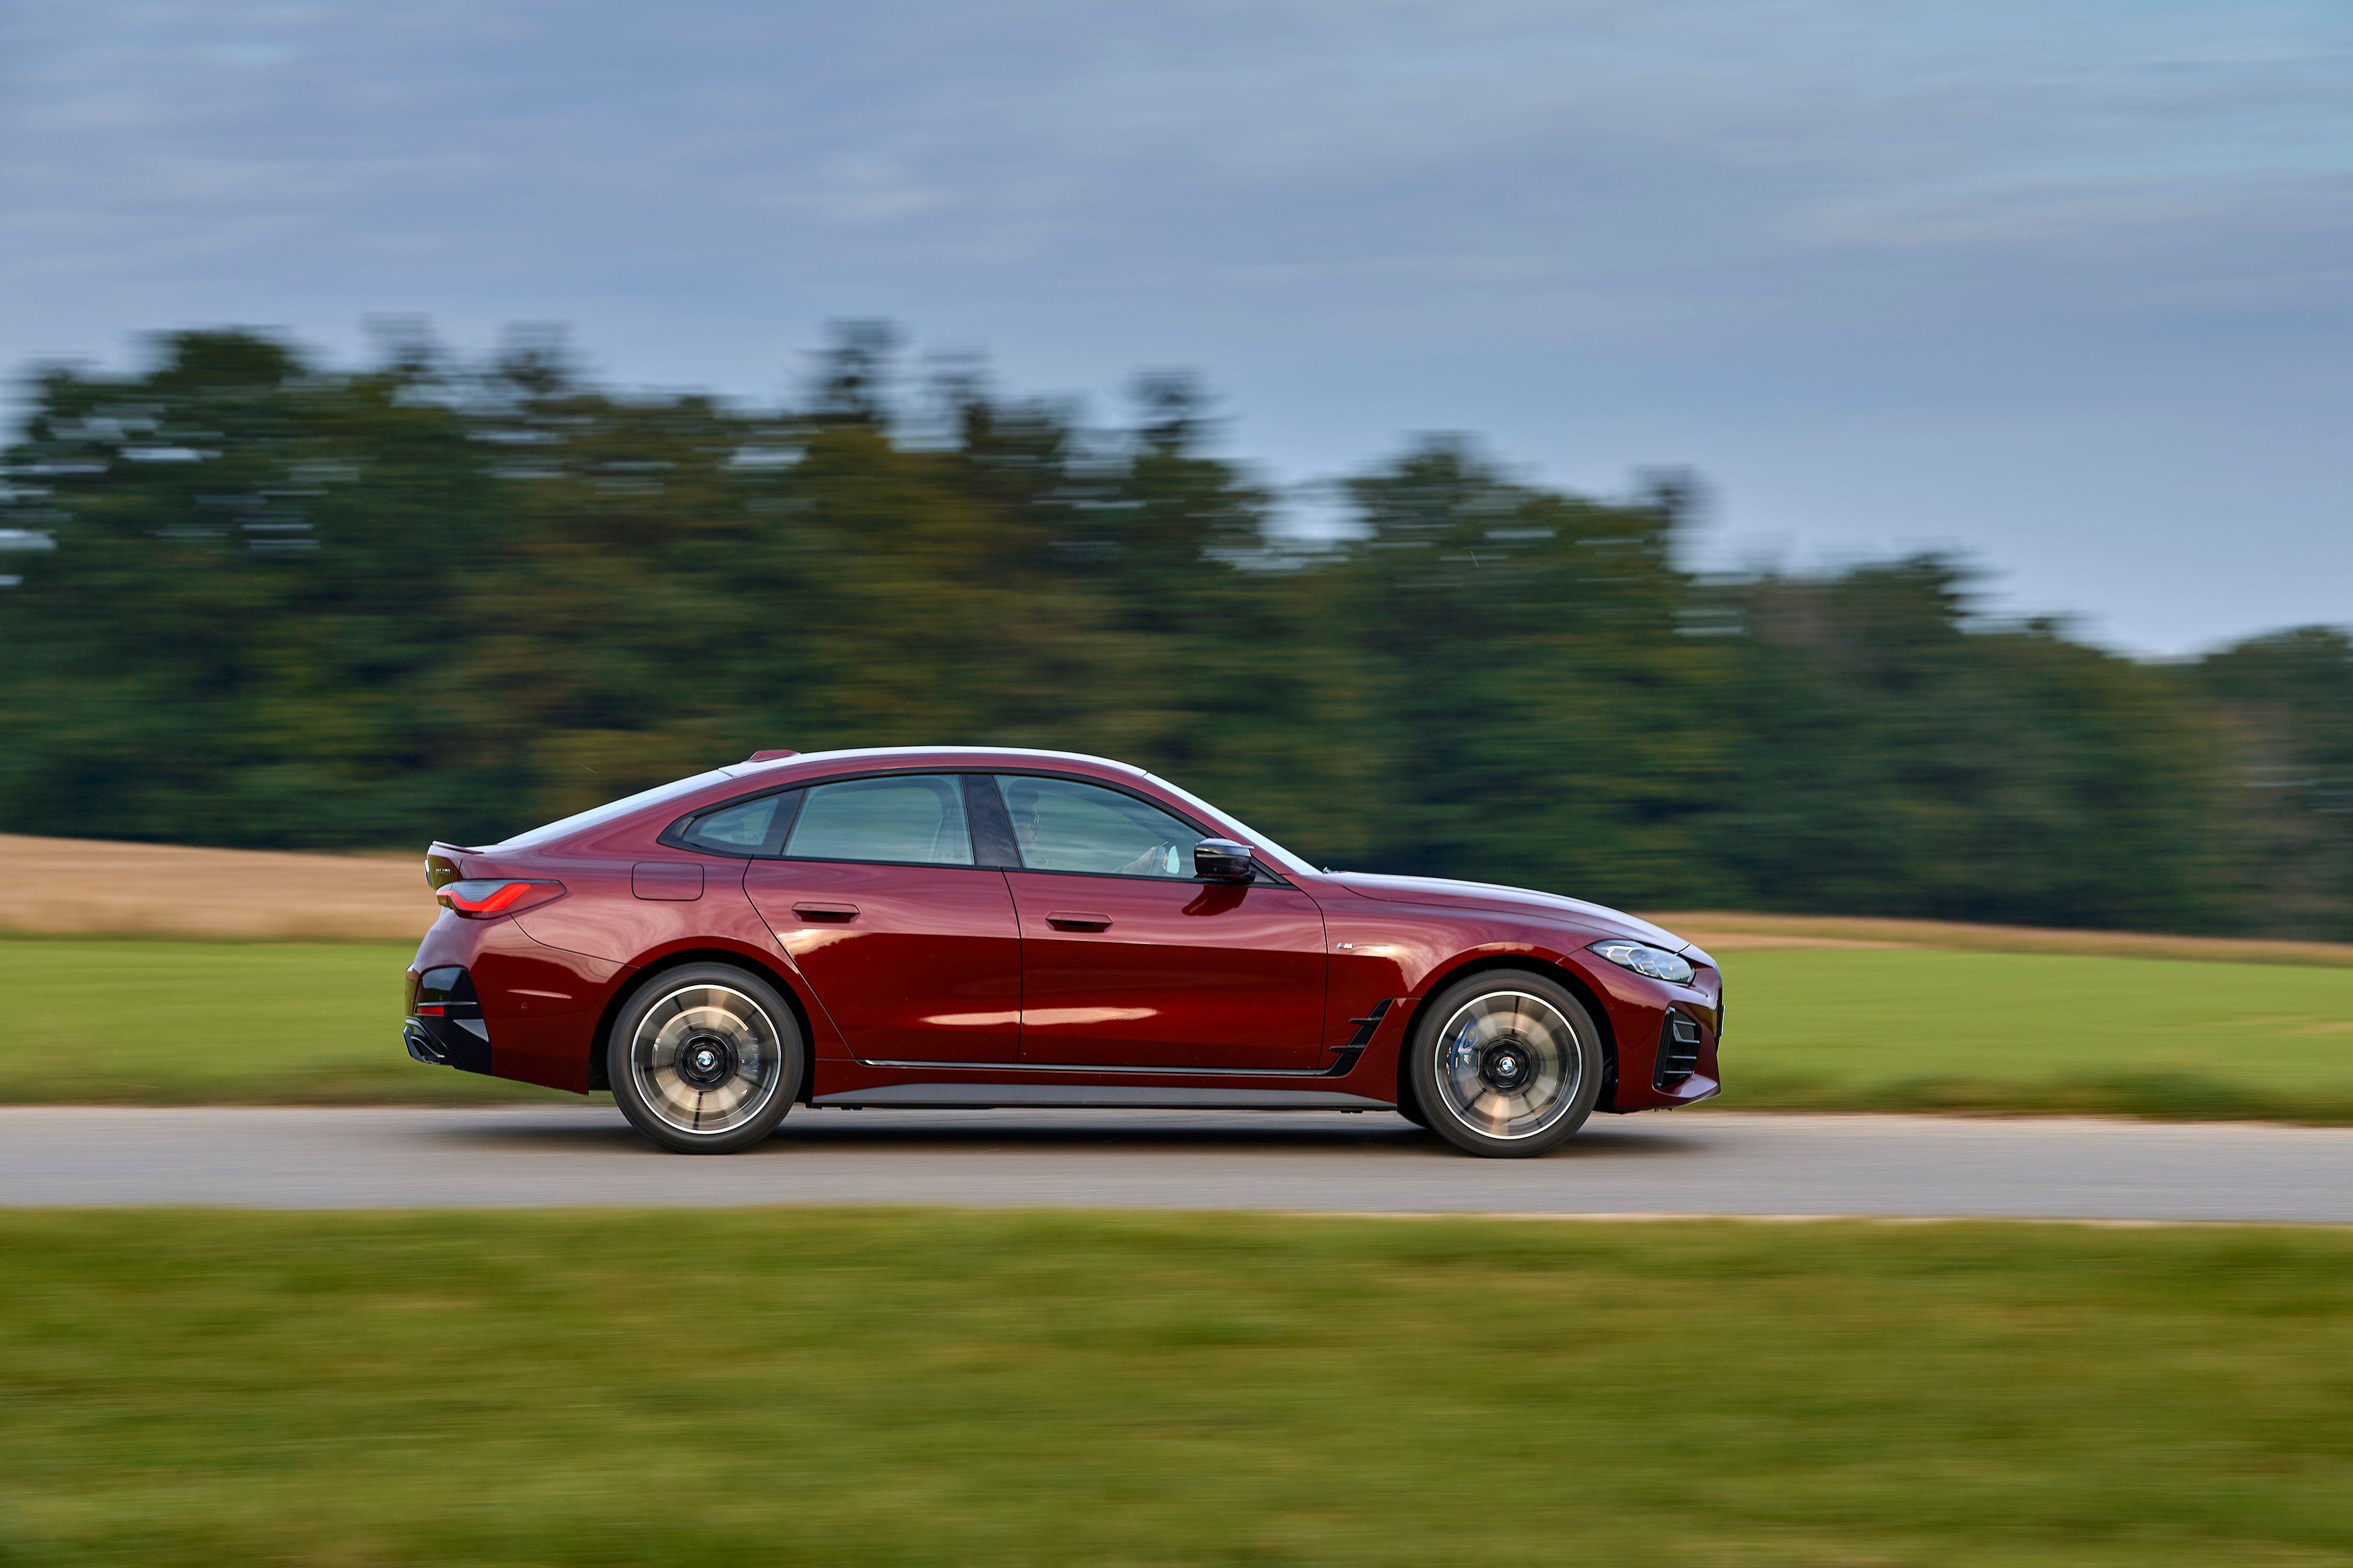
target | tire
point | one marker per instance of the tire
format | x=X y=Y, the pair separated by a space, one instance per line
x=1506 y=1064
x=705 y=1059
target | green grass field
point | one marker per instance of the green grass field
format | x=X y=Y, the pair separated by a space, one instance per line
x=918 y=1388
x=1910 y=1029
x=183 y=1022
x=1821 y=1028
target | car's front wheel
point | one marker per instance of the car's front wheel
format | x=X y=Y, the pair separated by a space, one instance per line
x=705 y=1059
x=1507 y=1063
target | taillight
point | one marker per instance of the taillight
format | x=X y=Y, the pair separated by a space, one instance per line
x=481 y=897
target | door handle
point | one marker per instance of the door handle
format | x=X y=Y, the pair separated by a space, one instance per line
x=826 y=911
x=1065 y=920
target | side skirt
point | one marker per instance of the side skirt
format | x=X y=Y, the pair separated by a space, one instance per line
x=1344 y=1060
x=1100 y=1096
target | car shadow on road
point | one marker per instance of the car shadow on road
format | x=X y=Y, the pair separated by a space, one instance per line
x=830 y=1131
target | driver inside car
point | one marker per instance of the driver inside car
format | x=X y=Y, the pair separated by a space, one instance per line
x=1161 y=859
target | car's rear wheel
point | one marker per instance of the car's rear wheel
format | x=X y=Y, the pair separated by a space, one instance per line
x=705 y=1059
x=1507 y=1063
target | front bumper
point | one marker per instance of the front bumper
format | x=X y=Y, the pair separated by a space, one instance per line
x=1667 y=1037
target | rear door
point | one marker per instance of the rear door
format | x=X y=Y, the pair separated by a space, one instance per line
x=912 y=947
x=1128 y=960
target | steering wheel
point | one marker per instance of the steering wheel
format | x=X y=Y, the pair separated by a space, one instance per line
x=1156 y=861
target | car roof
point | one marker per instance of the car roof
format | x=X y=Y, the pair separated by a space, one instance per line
x=701 y=791
x=916 y=756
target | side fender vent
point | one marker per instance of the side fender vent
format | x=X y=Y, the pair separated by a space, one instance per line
x=1367 y=1027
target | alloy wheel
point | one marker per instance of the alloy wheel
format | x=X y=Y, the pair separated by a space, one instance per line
x=706 y=1060
x=1509 y=1065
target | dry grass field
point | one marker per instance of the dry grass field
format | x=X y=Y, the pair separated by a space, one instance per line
x=80 y=887
x=1726 y=931
x=74 y=887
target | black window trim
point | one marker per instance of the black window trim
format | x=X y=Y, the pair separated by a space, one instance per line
x=675 y=835
x=984 y=808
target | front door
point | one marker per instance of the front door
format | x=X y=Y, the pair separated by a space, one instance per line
x=1128 y=960
x=911 y=947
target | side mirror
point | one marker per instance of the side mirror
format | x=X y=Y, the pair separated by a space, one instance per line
x=1223 y=860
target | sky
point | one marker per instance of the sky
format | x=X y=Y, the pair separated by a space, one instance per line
x=2065 y=286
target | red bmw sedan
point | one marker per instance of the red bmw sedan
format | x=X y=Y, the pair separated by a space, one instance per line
x=969 y=927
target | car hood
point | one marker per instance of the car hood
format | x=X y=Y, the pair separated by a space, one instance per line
x=1440 y=892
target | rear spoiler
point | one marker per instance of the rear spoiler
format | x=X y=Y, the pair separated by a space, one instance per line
x=445 y=863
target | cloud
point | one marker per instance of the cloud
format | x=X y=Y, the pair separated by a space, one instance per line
x=1656 y=221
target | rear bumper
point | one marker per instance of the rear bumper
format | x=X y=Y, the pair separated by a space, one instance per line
x=448 y=1043
x=445 y=1027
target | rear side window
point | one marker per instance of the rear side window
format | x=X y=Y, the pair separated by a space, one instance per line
x=918 y=818
x=747 y=827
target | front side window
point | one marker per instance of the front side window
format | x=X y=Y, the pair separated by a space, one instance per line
x=1063 y=825
x=917 y=818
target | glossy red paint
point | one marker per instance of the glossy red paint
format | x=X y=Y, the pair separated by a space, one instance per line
x=955 y=984
x=540 y=1003
x=1143 y=972
x=915 y=963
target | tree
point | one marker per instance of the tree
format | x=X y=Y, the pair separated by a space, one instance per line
x=295 y=605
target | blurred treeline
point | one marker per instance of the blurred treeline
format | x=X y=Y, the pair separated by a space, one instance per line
x=301 y=607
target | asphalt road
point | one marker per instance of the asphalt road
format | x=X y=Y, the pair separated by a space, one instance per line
x=1690 y=1162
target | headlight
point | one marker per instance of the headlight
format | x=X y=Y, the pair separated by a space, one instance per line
x=1656 y=961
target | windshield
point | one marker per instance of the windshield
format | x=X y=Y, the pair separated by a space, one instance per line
x=1257 y=840
x=610 y=810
